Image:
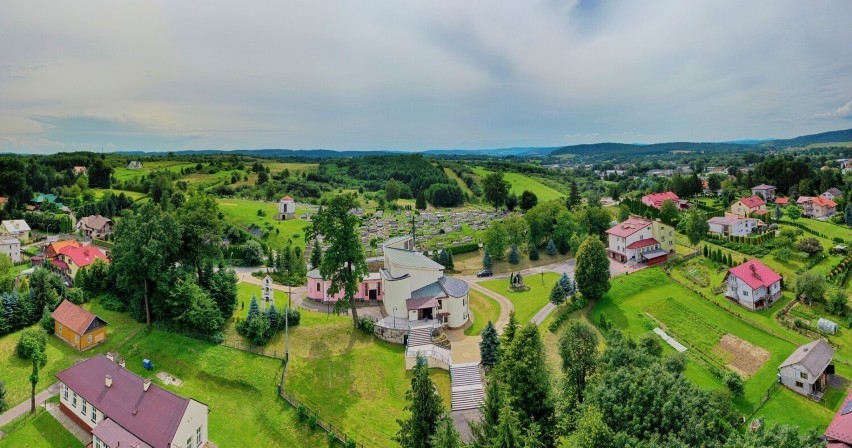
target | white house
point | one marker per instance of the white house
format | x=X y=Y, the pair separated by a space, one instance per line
x=733 y=225
x=746 y=206
x=415 y=287
x=752 y=285
x=134 y=165
x=15 y=228
x=122 y=409
x=832 y=193
x=12 y=248
x=767 y=192
x=806 y=370
x=639 y=240
x=286 y=208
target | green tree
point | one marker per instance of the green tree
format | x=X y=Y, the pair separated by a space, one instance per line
x=496 y=240
x=557 y=294
x=446 y=435
x=200 y=230
x=36 y=353
x=511 y=201
x=668 y=212
x=508 y=431
x=847 y=214
x=777 y=212
x=528 y=200
x=810 y=286
x=489 y=347
x=46 y=288
x=775 y=436
x=524 y=367
x=696 y=226
x=146 y=246
x=597 y=219
x=483 y=432
x=551 y=247
x=541 y=224
x=424 y=405
x=46 y=321
x=3 y=405
x=592 y=269
x=809 y=246
x=623 y=213
x=578 y=348
x=495 y=189
x=7 y=274
x=344 y=264
x=592 y=431
x=794 y=212
x=420 y=203
x=838 y=304
x=510 y=329
x=392 y=190
x=734 y=383
x=573 y=195
x=533 y=253
x=316 y=256
x=514 y=255
x=567 y=284
x=486 y=260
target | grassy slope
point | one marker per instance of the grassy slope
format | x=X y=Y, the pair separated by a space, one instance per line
x=350 y=378
x=526 y=303
x=520 y=182
x=452 y=175
x=243 y=212
x=482 y=310
x=699 y=324
x=123 y=173
x=38 y=431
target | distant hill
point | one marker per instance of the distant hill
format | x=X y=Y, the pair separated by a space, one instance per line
x=307 y=153
x=805 y=140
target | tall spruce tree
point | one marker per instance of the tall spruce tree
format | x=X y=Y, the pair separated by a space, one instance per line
x=483 y=432
x=514 y=255
x=486 y=260
x=551 y=247
x=446 y=435
x=847 y=214
x=426 y=410
x=567 y=284
x=573 y=196
x=510 y=329
x=557 y=294
x=508 y=431
x=489 y=347
x=530 y=394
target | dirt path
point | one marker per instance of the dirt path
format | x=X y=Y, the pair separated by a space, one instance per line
x=505 y=305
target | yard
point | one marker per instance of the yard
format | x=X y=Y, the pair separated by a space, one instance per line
x=37 y=431
x=526 y=303
x=482 y=309
x=717 y=340
x=520 y=182
x=471 y=263
x=243 y=212
x=829 y=229
x=353 y=380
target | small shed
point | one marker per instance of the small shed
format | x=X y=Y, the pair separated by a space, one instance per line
x=827 y=326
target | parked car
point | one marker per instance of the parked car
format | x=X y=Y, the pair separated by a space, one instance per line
x=484 y=273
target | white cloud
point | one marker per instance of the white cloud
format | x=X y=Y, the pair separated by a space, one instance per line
x=420 y=74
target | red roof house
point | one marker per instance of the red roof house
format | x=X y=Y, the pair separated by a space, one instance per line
x=120 y=408
x=749 y=205
x=839 y=431
x=782 y=201
x=752 y=285
x=656 y=199
x=76 y=258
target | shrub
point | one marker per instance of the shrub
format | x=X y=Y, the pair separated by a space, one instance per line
x=301 y=412
x=29 y=338
x=366 y=325
x=75 y=295
x=111 y=302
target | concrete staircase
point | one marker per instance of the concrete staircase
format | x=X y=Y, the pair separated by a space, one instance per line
x=420 y=336
x=467 y=391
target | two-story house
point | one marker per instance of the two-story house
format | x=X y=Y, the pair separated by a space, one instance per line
x=656 y=200
x=94 y=226
x=733 y=225
x=638 y=240
x=71 y=259
x=752 y=285
x=12 y=248
x=747 y=206
x=805 y=371
x=15 y=228
x=767 y=192
x=817 y=207
x=121 y=409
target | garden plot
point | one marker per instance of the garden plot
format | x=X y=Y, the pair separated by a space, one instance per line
x=740 y=355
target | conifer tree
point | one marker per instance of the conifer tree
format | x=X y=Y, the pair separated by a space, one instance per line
x=510 y=329
x=486 y=260
x=533 y=252
x=254 y=309
x=484 y=431
x=567 y=284
x=274 y=318
x=316 y=256
x=425 y=407
x=489 y=347
x=530 y=394
x=508 y=434
x=557 y=294
x=420 y=203
x=551 y=247
x=514 y=255
x=446 y=435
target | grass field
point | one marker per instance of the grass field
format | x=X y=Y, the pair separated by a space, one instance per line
x=123 y=173
x=38 y=431
x=452 y=175
x=638 y=302
x=482 y=310
x=471 y=263
x=350 y=378
x=100 y=192
x=520 y=182
x=243 y=212
x=294 y=168
x=829 y=229
x=526 y=303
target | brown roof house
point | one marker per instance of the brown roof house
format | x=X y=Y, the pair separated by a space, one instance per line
x=806 y=370
x=80 y=328
x=95 y=226
x=122 y=409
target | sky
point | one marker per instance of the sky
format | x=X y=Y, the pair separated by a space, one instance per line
x=164 y=75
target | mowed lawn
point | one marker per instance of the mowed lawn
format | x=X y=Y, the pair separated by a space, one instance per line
x=482 y=310
x=520 y=182
x=123 y=173
x=829 y=229
x=37 y=431
x=243 y=212
x=526 y=303
x=351 y=379
x=100 y=192
x=15 y=371
x=635 y=304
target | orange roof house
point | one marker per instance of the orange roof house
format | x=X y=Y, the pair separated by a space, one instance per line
x=52 y=249
x=79 y=328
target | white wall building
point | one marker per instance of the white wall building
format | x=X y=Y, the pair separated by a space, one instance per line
x=752 y=285
x=733 y=225
x=12 y=248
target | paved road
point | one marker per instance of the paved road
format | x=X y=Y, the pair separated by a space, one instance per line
x=24 y=407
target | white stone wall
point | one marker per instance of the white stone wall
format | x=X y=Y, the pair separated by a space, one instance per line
x=194 y=417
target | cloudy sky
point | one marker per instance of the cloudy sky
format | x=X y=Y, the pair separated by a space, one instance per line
x=414 y=75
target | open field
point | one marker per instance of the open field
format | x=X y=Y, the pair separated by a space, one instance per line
x=123 y=173
x=526 y=303
x=471 y=263
x=640 y=301
x=350 y=378
x=521 y=182
x=38 y=431
x=482 y=310
x=294 y=168
x=100 y=192
x=453 y=176
x=243 y=213
x=827 y=228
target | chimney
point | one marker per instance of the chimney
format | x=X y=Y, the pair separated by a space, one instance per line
x=121 y=362
x=108 y=380
x=110 y=356
x=146 y=384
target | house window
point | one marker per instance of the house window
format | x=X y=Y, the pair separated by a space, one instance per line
x=189 y=441
x=84 y=408
x=94 y=415
x=65 y=392
x=745 y=292
x=89 y=339
x=59 y=328
x=76 y=338
x=799 y=384
x=803 y=375
x=440 y=304
x=74 y=400
x=198 y=436
x=318 y=286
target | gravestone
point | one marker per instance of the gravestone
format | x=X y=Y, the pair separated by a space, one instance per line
x=266 y=295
